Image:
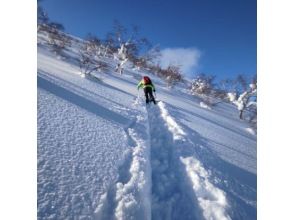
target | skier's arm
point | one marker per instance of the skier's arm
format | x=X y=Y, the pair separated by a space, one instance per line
x=140 y=84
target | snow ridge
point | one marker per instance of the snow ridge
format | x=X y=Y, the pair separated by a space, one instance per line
x=171 y=164
x=130 y=197
x=211 y=199
x=170 y=197
x=173 y=127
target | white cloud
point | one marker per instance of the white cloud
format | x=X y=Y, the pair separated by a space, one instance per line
x=187 y=58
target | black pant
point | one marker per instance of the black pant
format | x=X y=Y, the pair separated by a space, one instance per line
x=149 y=95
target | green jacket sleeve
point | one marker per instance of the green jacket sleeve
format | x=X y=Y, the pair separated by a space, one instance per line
x=140 y=84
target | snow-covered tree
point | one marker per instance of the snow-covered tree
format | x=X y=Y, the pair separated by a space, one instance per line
x=121 y=53
x=88 y=64
x=118 y=39
x=139 y=63
x=126 y=45
x=244 y=100
x=89 y=58
x=202 y=84
x=172 y=75
x=93 y=46
x=203 y=87
x=57 y=39
x=103 y=50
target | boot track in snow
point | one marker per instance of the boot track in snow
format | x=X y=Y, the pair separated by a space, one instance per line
x=158 y=179
x=180 y=185
x=129 y=197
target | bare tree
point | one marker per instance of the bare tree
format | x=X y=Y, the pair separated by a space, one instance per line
x=116 y=37
x=148 y=61
x=127 y=45
x=57 y=39
x=93 y=46
x=155 y=69
x=172 y=75
x=219 y=93
x=109 y=43
x=203 y=87
x=227 y=85
x=152 y=56
x=139 y=63
x=88 y=65
x=89 y=62
x=240 y=83
x=42 y=17
x=203 y=84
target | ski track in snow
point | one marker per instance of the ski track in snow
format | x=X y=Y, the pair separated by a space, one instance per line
x=180 y=183
x=227 y=187
x=160 y=168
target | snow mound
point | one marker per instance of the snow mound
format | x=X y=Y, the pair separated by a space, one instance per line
x=203 y=105
x=171 y=123
x=211 y=199
x=251 y=131
x=134 y=196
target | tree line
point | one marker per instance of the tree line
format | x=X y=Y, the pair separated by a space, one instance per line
x=127 y=46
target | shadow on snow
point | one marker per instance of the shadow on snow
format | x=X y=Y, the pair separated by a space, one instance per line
x=82 y=102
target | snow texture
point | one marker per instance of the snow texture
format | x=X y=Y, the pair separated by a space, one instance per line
x=104 y=154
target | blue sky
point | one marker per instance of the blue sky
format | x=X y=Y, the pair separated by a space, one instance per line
x=212 y=36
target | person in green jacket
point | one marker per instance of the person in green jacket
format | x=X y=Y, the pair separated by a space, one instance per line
x=148 y=88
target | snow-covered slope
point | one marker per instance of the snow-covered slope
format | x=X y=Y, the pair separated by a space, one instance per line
x=103 y=154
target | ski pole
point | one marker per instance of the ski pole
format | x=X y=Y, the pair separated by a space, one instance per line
x=138 y=94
